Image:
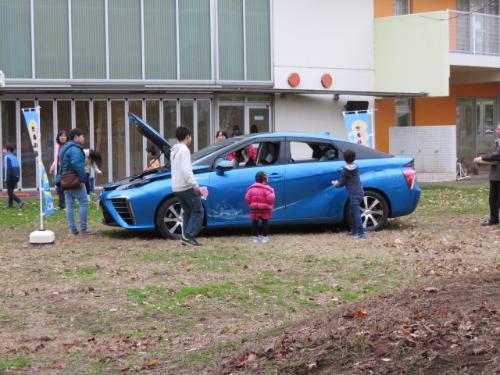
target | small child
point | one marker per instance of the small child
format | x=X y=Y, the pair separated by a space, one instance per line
x=260 y=198
x=11 y=175
x=351 y=180
x=93 y=161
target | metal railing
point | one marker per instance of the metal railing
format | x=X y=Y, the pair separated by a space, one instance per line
x=474 y=33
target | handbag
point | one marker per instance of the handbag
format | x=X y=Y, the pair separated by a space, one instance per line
x=70 y=180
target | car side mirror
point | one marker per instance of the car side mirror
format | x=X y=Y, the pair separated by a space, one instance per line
x=224 y=165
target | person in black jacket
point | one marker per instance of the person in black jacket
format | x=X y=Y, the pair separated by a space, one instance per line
x=11 y=175
x=493 y=159
x=351 y=180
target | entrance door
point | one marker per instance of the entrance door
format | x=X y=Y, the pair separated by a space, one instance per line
x=258 y=119
x=466 y=130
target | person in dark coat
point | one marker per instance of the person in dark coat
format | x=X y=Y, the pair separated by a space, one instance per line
x=260 y=197
x=351 y=180
x=11 y=175
x=493 y=158
x=73 y=159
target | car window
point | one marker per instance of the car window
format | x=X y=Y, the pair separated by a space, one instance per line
x=307 y=152
x=255 y=154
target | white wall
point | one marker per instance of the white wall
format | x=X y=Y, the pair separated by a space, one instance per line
x=435 y=156
x=312 y=113
x=411 y=53
x=313 y=37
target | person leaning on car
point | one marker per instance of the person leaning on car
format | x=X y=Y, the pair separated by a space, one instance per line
x=186 y=188
x=493 y=158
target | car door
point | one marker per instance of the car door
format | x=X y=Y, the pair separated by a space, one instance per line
x=227 y=189
x=311 y=166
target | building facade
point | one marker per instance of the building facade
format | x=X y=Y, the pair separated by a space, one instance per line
x=205 y=64
x=450 y=49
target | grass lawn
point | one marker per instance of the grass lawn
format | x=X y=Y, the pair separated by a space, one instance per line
x=132 y=302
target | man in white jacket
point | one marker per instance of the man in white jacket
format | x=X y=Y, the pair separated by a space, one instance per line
x=186 y=188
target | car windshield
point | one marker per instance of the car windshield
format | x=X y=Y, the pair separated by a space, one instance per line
x=214 y=148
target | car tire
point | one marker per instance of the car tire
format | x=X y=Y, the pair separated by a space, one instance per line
x=169 y=219
x=374 y=212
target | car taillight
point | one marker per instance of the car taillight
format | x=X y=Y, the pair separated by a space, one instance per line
x=410 y=175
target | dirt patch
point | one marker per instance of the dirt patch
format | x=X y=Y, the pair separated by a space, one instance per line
x=448 y=327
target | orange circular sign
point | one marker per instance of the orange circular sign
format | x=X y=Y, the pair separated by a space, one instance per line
x=294 y=79
x=326 y=80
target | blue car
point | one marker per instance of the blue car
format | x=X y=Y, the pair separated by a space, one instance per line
x=300 y=167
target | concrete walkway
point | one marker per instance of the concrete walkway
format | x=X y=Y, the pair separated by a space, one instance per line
x=478 y=180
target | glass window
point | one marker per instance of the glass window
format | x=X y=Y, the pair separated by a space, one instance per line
x=28 y=162
x=125 y=39
x=256 y=154
x=160 y=47
x=306 y=152
x=118 y=140
x=101 y=138
x=83 y=119
x=203 y=107
x=258 y=40
x=230 y=21
x=89 y=49
x=15 y=37
x=51 y=39
x=135 y=139
x=232 y=119
x=47 y=132
x=169 y=119
x=153 y=114
x=194 y=39
x=64 y=115
x=187 y=117
x=259 y=120
x=403 y=112
x=8 y=125
x=400 y=7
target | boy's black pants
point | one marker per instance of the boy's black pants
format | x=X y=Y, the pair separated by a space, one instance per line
x=11 y=185
x=265 y=227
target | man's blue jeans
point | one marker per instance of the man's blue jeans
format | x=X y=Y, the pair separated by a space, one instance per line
x=193 y=211
x=71 y=196
x=357 y=227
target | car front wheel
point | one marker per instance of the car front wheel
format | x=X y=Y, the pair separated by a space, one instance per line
x=374 y=211
x=169 y=219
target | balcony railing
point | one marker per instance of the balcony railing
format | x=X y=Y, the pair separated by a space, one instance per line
x=474 y=33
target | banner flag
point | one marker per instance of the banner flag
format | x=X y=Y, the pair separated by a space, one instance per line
x=359 y=127
x=32 y=117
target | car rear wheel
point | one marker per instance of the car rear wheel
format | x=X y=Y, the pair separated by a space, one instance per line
x=374 y=211
x=169 y=219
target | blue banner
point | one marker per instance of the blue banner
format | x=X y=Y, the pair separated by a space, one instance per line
x=359 y=127
x=32 y=117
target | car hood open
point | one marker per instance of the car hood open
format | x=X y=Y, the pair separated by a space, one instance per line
x=151 y=134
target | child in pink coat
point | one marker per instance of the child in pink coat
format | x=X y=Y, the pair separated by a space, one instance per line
x=260 y=198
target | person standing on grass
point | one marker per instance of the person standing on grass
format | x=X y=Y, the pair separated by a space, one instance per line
x=61 y=139
x=351 y=180
x=260 y=197
x=73 y=159
x=493 y=158
x=11 y=175
x=186 y=188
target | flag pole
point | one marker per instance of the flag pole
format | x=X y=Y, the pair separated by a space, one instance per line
x=38 y=160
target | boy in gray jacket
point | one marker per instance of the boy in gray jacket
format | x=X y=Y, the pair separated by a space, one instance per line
x=186 y=188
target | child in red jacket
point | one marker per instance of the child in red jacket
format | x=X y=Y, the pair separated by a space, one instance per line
x=260 y=198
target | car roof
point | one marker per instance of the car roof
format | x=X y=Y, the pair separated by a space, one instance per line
x=324 y=136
